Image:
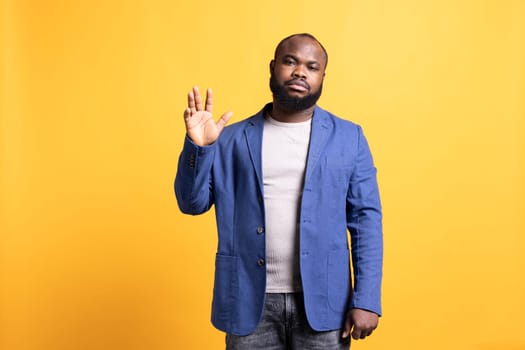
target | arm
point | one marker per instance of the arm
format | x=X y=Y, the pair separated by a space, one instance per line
x=193 y=180
x=364 y=220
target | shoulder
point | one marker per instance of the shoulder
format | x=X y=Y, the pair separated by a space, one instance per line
x=237 y=128
x=338 y=123
x=241 y=124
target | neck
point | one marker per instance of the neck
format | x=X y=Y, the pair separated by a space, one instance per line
x=282 y=115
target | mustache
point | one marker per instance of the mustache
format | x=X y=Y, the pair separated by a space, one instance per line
x=298 y=82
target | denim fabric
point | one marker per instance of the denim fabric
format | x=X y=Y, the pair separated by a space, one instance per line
x=284 y=326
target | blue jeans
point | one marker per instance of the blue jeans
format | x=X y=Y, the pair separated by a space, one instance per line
x=284 y=326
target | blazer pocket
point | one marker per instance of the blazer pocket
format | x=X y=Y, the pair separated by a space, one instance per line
x=338 y=280
x=224 y=288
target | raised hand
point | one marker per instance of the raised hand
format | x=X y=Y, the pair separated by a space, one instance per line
x=200 y=125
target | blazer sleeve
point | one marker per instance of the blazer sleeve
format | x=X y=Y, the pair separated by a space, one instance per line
x=193 y=182
x=364 y=221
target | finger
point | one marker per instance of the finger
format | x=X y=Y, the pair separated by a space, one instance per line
x=347 y=327
x=191 y=102
x=198 y=98
x=187 y=114
x=209 y=100
x=356 y=333
x=223 y=120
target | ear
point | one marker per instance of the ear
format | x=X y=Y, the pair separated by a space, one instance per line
x=272 y=65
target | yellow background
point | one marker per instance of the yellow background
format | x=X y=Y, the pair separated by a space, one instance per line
x=94 y=253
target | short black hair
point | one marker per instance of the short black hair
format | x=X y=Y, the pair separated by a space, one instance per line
x=304 y=35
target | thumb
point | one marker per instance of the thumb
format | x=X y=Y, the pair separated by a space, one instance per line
x=223 y=120
x=348 y=326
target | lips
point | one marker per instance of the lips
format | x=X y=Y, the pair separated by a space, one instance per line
x=298 y=85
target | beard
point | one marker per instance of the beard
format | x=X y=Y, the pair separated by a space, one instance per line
x=291 y=103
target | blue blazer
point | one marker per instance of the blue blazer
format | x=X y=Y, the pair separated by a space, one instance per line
x=340 y=192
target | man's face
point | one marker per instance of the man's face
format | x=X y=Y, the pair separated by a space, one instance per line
x=296 y=74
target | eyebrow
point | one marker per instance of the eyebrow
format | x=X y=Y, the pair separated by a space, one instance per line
x=297 y=59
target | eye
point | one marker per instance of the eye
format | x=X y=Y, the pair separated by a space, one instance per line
x=288 y=61
x=313 y=67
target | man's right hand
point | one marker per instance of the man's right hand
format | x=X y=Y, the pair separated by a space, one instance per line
x=200 y=125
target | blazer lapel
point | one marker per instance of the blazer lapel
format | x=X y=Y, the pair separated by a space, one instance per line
x=321 y=128
x=253 y=134
x=320 y=133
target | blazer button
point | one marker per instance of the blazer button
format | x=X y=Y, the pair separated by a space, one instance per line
x=260 y=230
x=260 y=262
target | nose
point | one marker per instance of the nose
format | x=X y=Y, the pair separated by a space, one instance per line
x=299 y=72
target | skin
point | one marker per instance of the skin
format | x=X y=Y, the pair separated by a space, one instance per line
x=201 y=128
x=299 y=59
x=303 y=60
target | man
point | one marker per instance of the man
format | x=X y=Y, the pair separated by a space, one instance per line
x=287 y=183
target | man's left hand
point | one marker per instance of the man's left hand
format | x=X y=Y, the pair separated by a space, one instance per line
x=360 y=322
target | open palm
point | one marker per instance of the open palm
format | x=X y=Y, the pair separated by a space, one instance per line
x=200 y=125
